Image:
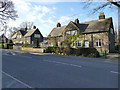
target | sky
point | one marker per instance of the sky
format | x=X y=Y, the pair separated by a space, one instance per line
x=46 y=15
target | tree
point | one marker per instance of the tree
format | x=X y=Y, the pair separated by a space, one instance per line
x=7 y=11
x=27 y=25
x=102 y=6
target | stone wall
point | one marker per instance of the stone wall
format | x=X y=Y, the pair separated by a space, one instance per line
x=39 y=50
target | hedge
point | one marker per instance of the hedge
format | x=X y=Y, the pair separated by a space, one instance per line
x=87 y=52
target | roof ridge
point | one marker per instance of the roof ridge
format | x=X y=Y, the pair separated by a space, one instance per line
x=96 y=20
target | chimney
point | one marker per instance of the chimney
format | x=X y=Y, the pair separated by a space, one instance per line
x=25 y=28
x=58 y=25
x=77 y=21
x=34 y=27
x=101 y=16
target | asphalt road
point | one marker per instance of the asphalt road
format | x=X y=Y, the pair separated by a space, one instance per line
x=25 y=70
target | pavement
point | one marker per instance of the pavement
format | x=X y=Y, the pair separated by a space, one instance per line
x=30 y=70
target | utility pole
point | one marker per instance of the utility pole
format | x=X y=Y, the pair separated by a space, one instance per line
x=119 y=26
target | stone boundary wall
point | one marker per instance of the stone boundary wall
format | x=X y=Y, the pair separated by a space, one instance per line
x=40 y=50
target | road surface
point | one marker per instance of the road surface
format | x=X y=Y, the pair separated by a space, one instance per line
x=25 y=70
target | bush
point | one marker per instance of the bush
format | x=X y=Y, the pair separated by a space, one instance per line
x=68 y=51
x=36 y=47
x=54 y=50
x=49 y=50
x=6 y=46
x=2 y=45
x=90 y=52
x=117 y=47
x=25 y=45
x=10 y=44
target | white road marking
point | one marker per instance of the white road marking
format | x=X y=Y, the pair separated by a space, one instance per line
x=114 y=72
x=17 y=80
x=63 y=63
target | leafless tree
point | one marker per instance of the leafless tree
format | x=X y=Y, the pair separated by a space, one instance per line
x=27 y=25
x=102 y=6
x=7 y=10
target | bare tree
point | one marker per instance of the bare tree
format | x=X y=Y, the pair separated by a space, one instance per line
x=27 y=25
x=7 y=10
x=101 y=7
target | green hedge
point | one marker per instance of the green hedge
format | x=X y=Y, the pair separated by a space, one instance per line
x=117 y=47
x=87 y=52
x=6 y=46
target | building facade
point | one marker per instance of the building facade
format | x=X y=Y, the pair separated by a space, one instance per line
x=3 y=39
x=98 y=33
x=27 y=36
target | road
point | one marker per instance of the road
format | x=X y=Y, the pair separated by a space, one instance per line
x=25 y=70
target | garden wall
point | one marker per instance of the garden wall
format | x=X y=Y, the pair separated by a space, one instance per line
x=40 y=50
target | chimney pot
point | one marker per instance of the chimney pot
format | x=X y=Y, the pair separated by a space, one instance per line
x=102 y=16
x=34 y=27
x=77 y=21
x=58 y=25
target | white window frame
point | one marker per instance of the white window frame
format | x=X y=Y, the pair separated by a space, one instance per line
x=98 y=40
x=72 y=32
x=79 y=42
x=37 y=35
x=87 y=44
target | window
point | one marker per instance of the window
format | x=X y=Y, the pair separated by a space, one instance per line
x=73 y=32
x=98 y=43
x=37 y=35
x=20 y=36
x=79 y=43
x=32 y=42
x=86 y=43
x=74 y=43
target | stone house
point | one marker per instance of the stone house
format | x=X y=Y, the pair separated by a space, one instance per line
x=3 y=39
x=98 y=33
x=30 y=36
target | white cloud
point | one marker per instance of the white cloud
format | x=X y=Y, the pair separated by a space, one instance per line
x=37 y=13
x=54 y=8
x=64 y=19
x=71 y=9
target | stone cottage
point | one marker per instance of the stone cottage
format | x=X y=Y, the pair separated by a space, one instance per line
x=3 y=39
x=98 y=33
x=30 y=36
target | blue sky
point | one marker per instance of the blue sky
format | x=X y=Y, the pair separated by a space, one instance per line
x=46 y=15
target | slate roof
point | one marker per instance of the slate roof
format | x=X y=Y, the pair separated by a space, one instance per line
x=57 y=31
x=101 y=25
x=30 y=32
x=25 y=33
x=93 y=26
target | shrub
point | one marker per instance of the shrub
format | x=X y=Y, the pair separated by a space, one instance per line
x=25 y=45
x=49 y=50
x=90 y=52
x=117 y=47
x=67 y=51
x=6 y=46
x=36 y=47
x=2 y=45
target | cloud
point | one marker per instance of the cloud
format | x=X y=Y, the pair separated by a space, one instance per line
x=71 y=9
x=64 y=19
x=40 y=14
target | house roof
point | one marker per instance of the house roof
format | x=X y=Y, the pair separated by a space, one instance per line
x=101 y=25
x=93 y=26
x=30 y=32
x=57 y=31
x=23 y=32
x=3 y=36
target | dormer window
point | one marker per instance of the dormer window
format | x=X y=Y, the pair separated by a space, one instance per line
x=73 y=32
